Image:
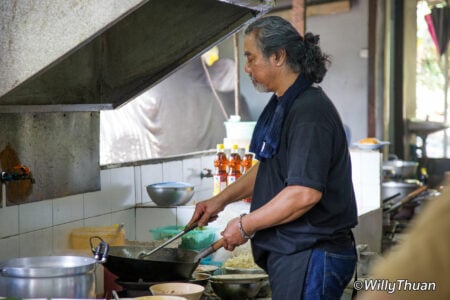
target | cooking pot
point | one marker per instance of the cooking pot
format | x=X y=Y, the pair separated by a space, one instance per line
x=51 y=276
x=400 y=168
x=168 y=264
x=400 y=188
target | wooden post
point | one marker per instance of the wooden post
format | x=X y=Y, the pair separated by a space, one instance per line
x=299 y=15
x=236 y=88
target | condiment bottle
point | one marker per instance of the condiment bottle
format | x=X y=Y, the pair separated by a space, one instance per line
x=423 y=175
x=220 y=170
x=247 y=163
x=234 y=170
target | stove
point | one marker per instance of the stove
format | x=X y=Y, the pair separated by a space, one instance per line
x=126 y=289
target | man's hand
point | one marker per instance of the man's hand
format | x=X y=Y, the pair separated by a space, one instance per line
x=205 y=212
x=232 y=236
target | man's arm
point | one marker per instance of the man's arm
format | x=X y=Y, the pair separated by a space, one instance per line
x=290 y=204
x=208 y=210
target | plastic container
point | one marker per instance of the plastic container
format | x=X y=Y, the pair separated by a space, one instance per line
x=239 y=130
x=114 y=235
x=196 y=239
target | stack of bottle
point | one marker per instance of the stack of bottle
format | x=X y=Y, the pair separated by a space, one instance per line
x=228 y=170
x=220 y=170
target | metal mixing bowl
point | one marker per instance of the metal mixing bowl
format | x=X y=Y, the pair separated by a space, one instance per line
x=200 y=278
x=237 y=286
x=170 y=193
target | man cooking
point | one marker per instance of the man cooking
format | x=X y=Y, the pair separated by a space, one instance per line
x=303 y=204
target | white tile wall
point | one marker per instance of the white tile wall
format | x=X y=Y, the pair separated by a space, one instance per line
x=35 y=216
x=36 y=243
x=152 y=217
x=102 y=220
x=99 y=203
x=121 y=188
x=9 y=221
x=61 y=237
x=173 y=171
x=191 y=173
x=43 y=228
x=207 y=182
x=184 y=214
x=9 y=247
x=67 y=209
x=138 y=185
x=128 y=219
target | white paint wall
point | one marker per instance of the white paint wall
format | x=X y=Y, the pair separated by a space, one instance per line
x=343 y=36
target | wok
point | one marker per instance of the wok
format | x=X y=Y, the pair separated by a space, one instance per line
x=168 y=264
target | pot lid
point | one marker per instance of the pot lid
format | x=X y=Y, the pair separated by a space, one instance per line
x=402 y=183
x=47 y=266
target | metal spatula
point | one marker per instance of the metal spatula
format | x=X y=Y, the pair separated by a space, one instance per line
x=178 y=235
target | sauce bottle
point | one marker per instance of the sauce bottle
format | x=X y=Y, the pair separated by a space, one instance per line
x=423 y=176
x=220 y=170
x=247 y=163
x=234 y=171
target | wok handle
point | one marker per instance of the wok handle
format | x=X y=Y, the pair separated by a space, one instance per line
x=217 y=245
x=407 y=198
x=210 y=249
x=101 y=251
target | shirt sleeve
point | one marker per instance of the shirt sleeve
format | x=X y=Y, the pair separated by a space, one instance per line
x=309 y=154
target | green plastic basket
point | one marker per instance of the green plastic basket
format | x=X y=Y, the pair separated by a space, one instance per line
x=196 y=239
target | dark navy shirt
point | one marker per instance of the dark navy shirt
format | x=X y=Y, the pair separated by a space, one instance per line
x=313 y=152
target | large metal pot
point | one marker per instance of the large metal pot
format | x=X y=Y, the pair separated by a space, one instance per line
x=49 y=276
x=400 y=168
x=399 y=188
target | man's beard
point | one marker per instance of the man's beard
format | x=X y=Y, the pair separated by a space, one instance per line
x=259 y=86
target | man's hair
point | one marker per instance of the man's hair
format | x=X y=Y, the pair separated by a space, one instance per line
x=274 y=34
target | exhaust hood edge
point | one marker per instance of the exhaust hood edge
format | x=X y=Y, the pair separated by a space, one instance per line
x=55 y=88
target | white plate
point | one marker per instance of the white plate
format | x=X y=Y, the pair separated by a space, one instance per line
x=371 y=146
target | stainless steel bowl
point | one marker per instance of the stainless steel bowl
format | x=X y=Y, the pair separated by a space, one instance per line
x=172 y=193
x=237 y=286
x=200 y=278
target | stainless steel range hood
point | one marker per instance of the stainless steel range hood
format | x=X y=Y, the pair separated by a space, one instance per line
x=128 y=55
x=63 y=61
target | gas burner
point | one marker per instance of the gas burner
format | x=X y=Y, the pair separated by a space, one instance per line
x=136 y=288
x=142 y=288
x=140 y=284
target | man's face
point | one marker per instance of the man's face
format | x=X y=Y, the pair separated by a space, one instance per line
x=257 y=66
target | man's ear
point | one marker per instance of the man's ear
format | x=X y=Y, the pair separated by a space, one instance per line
x=279 y=57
